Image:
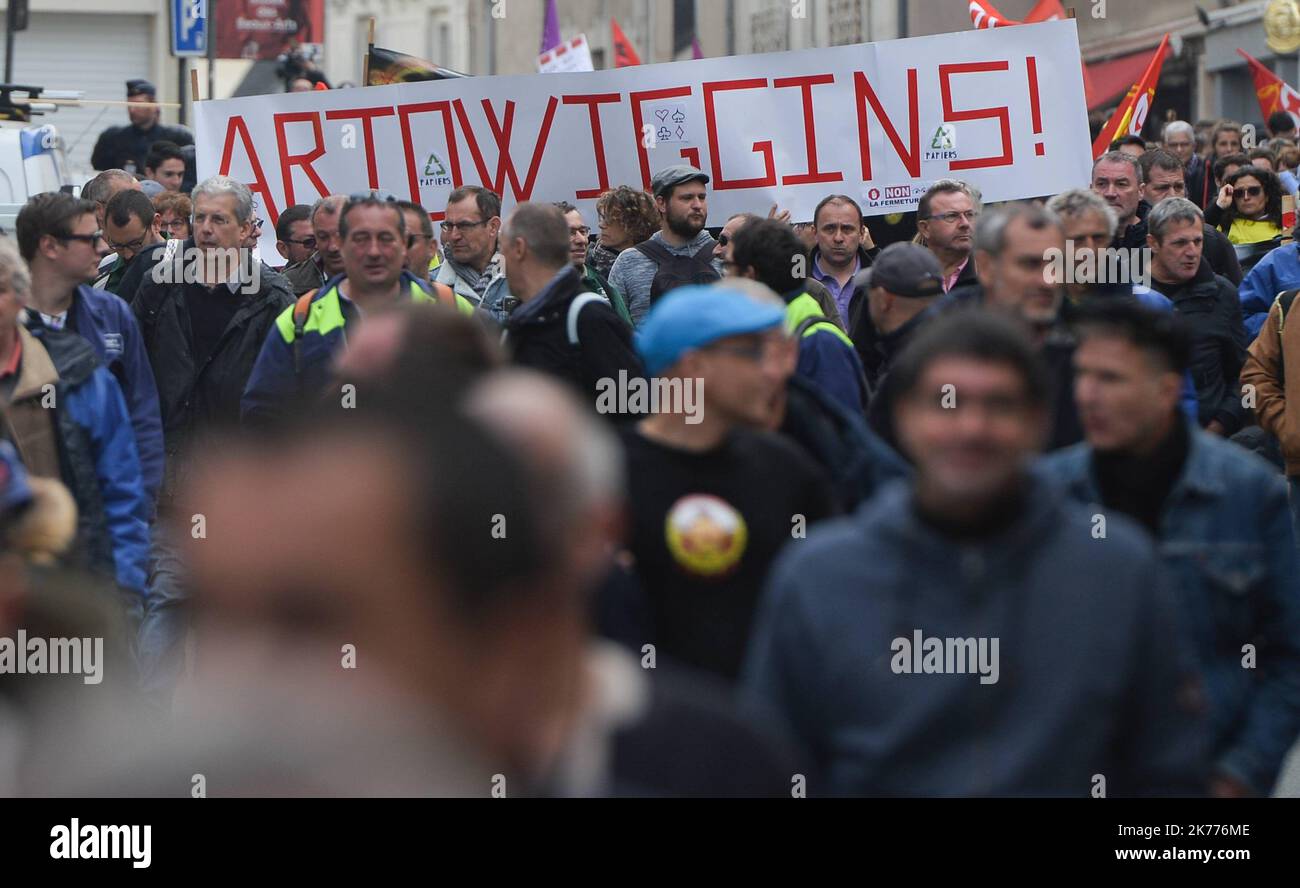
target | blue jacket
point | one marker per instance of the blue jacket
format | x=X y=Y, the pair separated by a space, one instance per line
x=1277 y=271
x=1226 y=538
x=1094 y=674
x=108 y=324
x=274 y=381
x=98 y=457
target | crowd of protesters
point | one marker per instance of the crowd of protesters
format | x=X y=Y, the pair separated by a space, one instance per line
x=665 y=509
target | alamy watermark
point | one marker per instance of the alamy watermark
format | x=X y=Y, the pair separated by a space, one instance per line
x=642 y=397
x=52 y=656
x=920 y=655
x=212 y=265
x=1111 y=265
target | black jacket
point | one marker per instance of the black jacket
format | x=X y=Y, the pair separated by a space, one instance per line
x=126 y=147
x=139 y=270
x=191 y=397
x=1209 y=305
x=537 y=336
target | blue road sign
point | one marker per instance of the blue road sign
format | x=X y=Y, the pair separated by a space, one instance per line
x=189 y=27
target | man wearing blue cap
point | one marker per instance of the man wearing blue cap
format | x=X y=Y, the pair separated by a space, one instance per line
x=713 y=501
x=127 y=147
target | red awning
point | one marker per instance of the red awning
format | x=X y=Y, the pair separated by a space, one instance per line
x=1107 y=81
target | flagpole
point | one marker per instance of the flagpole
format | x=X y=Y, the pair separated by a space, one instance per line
x=370 y=46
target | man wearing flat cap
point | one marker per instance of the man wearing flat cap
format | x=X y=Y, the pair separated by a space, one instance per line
x=126 y=147
x=679 y=253
x=895 y=297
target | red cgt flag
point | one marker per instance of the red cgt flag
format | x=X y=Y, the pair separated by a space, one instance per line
x=624 y=53
x=1132 y=112
x=984 y=15
x=1274 y=93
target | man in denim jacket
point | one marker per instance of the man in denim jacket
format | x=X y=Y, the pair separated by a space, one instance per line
x=1221 y=523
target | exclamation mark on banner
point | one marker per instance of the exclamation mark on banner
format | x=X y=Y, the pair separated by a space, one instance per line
x=1035 y=111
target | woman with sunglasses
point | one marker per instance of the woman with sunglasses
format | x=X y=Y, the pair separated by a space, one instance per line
x=1251 y=201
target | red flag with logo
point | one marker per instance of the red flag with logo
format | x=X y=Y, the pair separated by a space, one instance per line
x=1132 y=112
x=624 y=53
x=1274 y=93
x=984 y=15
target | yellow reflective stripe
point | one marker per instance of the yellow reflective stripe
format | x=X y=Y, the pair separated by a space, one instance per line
x=804 y=306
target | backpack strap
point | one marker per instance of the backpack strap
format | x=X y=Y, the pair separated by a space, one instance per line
x=581 y=301
x=705 y=254
x=1284 y=300
x=301 y=311
x=655 y=252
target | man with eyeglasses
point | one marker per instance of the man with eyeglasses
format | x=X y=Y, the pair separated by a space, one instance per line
x=294 y=239
x=713 y=500
x=296 y=357
x=579 y=241
x=327 y=259
x=131 y=228
x=59 y=239
x=945 y=223
x=471 y=265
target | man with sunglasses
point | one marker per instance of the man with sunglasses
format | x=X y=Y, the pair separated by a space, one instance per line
x=58 y=237
x=422 y=253
x=294 y=239
x=131 y=227
x=472 y=265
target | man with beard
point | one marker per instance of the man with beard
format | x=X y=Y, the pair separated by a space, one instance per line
x=680 y=252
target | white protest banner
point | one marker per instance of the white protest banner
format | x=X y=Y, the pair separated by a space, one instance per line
x=1003 y=109
x=574 y=55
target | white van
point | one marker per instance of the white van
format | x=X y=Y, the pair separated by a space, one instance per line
x=32 y=160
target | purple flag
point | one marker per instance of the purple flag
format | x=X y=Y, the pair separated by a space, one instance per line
x=695 y=48
x=551 y=30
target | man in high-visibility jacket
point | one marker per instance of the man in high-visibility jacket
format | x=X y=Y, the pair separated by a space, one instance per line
x=296 y=357
x=771 y=253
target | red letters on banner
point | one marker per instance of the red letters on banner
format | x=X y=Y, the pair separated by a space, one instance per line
x=911 y=159
x=258 y=185
x=305 y=161
x=500 y=132
x=367 y=115
x=404 y=114
x=805 y=85
x=1001 y=113
x=638 y=127
x=768 y=179
x=593 y=103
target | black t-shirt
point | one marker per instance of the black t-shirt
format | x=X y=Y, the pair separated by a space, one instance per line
x=705 y=528
x=210 y=313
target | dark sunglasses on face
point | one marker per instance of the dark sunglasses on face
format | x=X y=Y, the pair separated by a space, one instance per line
x=307 y=242
x=724 y=239
x=1248 y=191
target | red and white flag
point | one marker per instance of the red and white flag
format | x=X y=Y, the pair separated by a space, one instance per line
x=1132 y=112
x=984 y=15
x=1274 y=93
